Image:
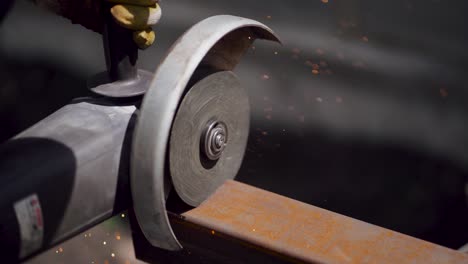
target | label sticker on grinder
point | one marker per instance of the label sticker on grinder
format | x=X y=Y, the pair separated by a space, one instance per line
x=29 y=214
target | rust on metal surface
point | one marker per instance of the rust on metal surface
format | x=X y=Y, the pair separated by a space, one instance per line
x=307 y=233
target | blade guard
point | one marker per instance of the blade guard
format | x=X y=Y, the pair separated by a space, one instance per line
x=218 y=43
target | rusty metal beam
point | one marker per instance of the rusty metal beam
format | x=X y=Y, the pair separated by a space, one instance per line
x=243 y=224
x=304 y=233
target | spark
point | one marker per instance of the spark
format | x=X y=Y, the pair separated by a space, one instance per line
x=302 y=118
x=122 y=215
x=340 y=55
x=213 y=232
x=315 y=72
x=358 y=64
x=113 y=255
x=443 y=92
x=104 y=242
x=309 y=63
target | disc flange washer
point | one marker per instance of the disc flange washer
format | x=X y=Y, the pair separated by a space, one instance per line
x=209 y=136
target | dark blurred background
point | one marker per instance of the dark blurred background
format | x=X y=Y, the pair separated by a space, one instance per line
x=362 y=111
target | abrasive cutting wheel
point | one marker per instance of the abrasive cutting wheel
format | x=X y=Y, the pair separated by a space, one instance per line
x=193 y=125
x=209 y=136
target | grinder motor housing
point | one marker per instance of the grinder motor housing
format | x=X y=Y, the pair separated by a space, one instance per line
x=98 y=156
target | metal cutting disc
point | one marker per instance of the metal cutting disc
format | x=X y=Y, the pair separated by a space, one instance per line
x=209 y=136
x=218 y=43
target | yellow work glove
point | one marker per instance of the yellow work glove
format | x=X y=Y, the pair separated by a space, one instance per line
x=136 y=15
x=139 y=16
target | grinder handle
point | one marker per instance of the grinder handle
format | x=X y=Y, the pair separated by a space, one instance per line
x=120 y=50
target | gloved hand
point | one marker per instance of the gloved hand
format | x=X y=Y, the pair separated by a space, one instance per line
x=136 y=15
